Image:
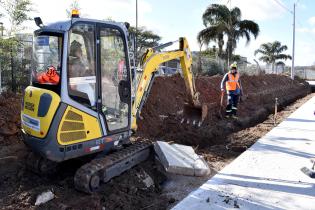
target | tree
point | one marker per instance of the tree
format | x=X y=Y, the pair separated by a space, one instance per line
x=17 y=12
x=272 y=53
x=145 y=39
x=221 y=22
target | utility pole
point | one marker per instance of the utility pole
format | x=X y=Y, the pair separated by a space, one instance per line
x=293 y=47
x=136 y=38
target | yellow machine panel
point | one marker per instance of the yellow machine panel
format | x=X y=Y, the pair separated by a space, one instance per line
x=77 y=126
x=37 y=113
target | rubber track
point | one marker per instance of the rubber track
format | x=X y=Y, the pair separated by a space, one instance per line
x=100 y=166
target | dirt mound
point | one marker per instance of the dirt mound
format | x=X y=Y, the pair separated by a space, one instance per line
x=162 y=109
x=10 y=106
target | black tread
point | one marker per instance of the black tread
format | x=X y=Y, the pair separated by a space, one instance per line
x=100 y=166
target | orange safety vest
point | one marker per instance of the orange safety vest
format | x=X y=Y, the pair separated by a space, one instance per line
x=232 y=83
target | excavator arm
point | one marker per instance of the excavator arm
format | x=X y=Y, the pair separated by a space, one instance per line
x=150 y=62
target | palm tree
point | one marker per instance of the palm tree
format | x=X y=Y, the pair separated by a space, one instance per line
x=220 y=22
x=272 y=53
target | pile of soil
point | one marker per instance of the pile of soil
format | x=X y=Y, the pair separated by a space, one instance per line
x=10 y=106
x=162 y=111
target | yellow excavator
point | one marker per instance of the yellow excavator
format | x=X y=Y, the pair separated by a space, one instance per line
x=80 y=101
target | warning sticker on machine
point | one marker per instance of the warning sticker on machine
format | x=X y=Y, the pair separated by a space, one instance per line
x=31 y=122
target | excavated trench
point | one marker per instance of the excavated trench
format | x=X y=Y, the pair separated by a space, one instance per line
x=161 y=113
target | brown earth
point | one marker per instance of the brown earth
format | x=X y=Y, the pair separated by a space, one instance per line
x=19 y=187
x=161 y=111
x=10 y=106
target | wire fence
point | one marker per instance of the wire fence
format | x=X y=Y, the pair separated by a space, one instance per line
x=207 y=65
x=305 y=73
x=15 y=62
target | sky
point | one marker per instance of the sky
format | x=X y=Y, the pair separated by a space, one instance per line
x=172 y=19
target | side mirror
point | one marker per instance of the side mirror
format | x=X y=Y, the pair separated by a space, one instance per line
x=38 y=22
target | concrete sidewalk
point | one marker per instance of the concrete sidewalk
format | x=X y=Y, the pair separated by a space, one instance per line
x=267 y=175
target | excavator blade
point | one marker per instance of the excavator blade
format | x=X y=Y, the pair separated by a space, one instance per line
x=194 y=115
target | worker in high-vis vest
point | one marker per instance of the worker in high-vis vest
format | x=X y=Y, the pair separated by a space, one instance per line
x=231 y=83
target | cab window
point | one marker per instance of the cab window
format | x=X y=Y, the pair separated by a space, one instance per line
x=81 y=64
x=47 y=52
x=113 y=72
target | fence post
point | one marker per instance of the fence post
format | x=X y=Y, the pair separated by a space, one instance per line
x=0 y=74
x=13 y=86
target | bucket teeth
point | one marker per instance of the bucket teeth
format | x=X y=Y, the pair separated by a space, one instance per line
x=194 y=115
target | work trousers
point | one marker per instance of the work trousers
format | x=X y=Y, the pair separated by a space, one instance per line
x=232 y=101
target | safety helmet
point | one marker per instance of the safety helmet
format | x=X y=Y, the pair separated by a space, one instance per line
x=233 y=66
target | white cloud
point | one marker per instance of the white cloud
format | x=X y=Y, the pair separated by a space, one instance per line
x=311 y=20
x=303 y=30
x=259 y=10
x=119 y=10
x=305 y=51
x=249 y=50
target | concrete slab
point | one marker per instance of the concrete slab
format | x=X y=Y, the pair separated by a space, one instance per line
x=268 y=175
x=312 y=84
x=181 y=159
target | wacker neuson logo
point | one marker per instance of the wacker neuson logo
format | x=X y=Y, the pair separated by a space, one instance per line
x=29 y=106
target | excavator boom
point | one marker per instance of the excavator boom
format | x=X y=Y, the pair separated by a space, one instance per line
x=193 y=111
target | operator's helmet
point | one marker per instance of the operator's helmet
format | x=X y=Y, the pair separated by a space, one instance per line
x=233 y=66
x=74 y=47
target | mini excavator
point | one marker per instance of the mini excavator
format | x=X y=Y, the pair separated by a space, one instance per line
x=80 y=100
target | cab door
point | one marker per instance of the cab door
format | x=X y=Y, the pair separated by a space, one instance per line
x=115 y=86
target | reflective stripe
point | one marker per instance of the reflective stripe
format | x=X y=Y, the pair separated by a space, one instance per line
x=233 y=107
x=228 y=111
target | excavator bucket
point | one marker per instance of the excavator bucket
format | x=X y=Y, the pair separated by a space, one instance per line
x=194 y=114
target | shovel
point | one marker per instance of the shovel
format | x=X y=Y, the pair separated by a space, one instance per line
x=221 y=104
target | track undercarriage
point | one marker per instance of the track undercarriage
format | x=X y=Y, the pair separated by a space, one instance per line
x=88 y=178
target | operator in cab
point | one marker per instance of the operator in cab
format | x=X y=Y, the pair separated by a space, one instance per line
x=79 y=72
x=231 y=83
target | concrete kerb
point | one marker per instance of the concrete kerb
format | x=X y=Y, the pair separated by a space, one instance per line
x=181 y=159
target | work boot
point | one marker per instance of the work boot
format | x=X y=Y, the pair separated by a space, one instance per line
x=234 y=117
